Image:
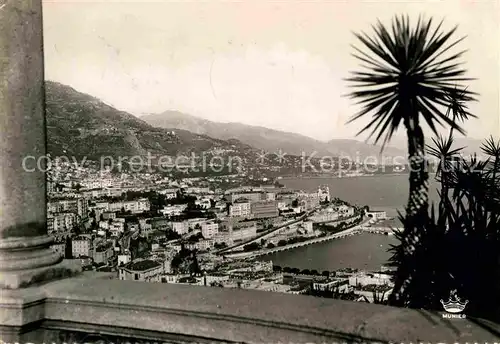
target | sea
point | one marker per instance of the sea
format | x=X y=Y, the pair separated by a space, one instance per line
x=365 y=251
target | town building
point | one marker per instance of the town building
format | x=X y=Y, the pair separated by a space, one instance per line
x=215 y=279
x=324 y=217
x=173 y=210
x=116 y=228
x=340 y=285
x=241 y=208
x=103 y=253
x=243 y=233
x=135 y=207
x=180 y=227
x=169 y=193
x=264 y=209
x=59 y=248
x=209 y=229
x=376 y=215
x=141 y=270
x=252 y=196
x=202 y=245
x=81 y=246
x=61 y=222
x=124 y=258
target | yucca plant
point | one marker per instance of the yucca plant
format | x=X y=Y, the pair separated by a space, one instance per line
x=410 y=76
x=459 y=247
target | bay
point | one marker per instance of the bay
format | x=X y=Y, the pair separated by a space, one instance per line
x=382 y=192
x=366 y=251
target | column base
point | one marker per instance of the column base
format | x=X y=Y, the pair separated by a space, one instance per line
x=30 y=277
x=26 y=261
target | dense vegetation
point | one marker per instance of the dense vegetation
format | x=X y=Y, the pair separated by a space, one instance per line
x=411 y=76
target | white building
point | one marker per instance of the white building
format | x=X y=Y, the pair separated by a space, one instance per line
x=180 y=227
x=124 y=259
x=81 y=246
x=104 y=224
x=209 y=229
x=135 y=207
x=240 y=209
x=173 y=210
x=116 y=228
x=377 y=215
x=61 y=222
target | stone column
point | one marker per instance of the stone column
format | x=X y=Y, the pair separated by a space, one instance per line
x=25 y=254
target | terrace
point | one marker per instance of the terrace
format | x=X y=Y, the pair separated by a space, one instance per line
x=45 y=299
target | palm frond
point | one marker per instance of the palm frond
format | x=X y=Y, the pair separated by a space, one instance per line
x=408 y=72
x=491 y=147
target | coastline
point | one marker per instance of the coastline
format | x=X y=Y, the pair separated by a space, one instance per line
x=356 y=229
x=346 y=177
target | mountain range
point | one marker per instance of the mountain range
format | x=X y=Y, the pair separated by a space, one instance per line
x=274 y=140
x=81 y=125
x=268 y=139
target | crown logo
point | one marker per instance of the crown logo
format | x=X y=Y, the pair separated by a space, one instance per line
x=454 y=304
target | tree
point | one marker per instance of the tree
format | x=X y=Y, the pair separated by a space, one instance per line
x=251 y=247
x=220 y=246
x=409 y=74
x=325 y=273
x=270 y=245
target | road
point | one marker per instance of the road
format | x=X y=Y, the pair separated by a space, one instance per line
x=346 y=232
x=269 y=232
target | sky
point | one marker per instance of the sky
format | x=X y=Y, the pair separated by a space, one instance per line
x=277 y=64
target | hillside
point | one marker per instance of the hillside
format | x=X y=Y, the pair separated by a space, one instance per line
x=81 y=125
x=267 y=139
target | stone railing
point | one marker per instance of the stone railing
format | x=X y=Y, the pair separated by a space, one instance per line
x=73 y=309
